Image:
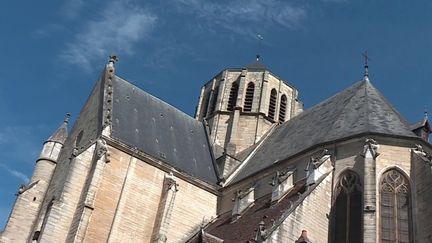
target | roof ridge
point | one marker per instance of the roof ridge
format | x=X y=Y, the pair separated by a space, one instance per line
x=388 y=104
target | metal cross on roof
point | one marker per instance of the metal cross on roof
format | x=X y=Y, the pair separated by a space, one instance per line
x=366 y=59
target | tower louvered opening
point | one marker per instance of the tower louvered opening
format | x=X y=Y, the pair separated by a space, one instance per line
x=214 y=100
x=233 y=96
x=249 y=97
x=206 y=104
x=272 y=104
x=282 y=109
x=395 y=207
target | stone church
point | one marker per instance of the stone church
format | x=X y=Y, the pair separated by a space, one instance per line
x=251 y=166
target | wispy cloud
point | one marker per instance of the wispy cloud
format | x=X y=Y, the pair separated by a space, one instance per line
x=118 y=29
x=14 y=140
x=23 y=177
x=244 y=15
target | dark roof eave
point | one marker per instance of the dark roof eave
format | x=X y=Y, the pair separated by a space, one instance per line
x=328 y=143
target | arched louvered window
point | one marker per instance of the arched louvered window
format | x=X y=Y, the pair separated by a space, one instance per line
x=347 y=209
x=214 y=100
x=206 y=104
x=395 y=216
x=249 y=97
x=282 y=108
x=233 y=96
x=272 y=104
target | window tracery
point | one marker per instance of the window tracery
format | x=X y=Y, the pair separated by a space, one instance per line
x=395 y=207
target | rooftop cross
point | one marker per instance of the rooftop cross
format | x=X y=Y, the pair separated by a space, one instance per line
x=260 y=39
x=366 y=59
x=66 y=120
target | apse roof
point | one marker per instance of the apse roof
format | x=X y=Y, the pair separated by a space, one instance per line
x=160 y=130
x=358 y=109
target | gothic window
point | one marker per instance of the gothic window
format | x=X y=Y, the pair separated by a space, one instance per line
x=395 y=207
x=214 y=100
x=347 y=209
x=233 y=96
x=249 y=97
x=282 y=109
x=272 y=104
x=206 y=104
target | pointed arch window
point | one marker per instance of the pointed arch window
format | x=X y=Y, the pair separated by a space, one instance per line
x=282 y=108
x=214 y=100
x=249 y=97
x=272 y=104
x=206 y=104
x=233 y=96
x=395 y=203
x=347 y=209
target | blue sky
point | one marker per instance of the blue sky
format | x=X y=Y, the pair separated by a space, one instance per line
x=52 y=53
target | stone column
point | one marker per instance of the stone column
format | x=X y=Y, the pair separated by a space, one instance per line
x=369 y=153
x=166 y=206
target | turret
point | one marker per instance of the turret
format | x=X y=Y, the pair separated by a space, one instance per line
x=48 y=157
x=30 y=197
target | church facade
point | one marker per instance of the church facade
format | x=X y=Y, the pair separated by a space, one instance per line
x=251 y=166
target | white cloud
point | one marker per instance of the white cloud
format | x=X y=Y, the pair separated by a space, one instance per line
x=117 y=30
x=23 y=177
x=244 y=15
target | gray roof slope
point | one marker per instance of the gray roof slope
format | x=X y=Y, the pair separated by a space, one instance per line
x=359 y=109
x=60 y=134
x=160 y=130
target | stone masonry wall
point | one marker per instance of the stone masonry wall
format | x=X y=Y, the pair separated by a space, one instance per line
x=127 y=201
x=310 y=215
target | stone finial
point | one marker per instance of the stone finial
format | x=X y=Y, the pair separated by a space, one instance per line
x=425 y=155
x=260 y=232
x=66 y=120
x=370 y=148
x=171 y=183
x=101 y=148
x=113 y=59
x=303 y=238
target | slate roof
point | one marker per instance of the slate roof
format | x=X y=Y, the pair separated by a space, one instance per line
x=244 y=228
x=60 y=134
x=358 y=109
x=160 y=130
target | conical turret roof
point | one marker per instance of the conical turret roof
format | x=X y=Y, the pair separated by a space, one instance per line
x=61 y=133
x=359 y=109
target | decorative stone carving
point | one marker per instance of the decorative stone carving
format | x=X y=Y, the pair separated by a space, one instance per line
x=370 y=148
x=170 y=182
x=101 y=148
x=242 y=201
x=318 y=166
x=303 y=238
x=281 y=183
x=427 y=157
x=261 y=232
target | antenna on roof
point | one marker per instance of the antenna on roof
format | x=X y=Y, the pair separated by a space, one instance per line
x=366 y=66
x=260 y=39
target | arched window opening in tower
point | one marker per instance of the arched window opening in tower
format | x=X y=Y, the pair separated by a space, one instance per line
x=206 y=104
x=249 y=97
x=272 y=104
x=395 y=203
x=282 y=109
x=233 y=96
x=347 y=209
x=214 y=100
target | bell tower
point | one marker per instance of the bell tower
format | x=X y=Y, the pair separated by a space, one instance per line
x=240 y=106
